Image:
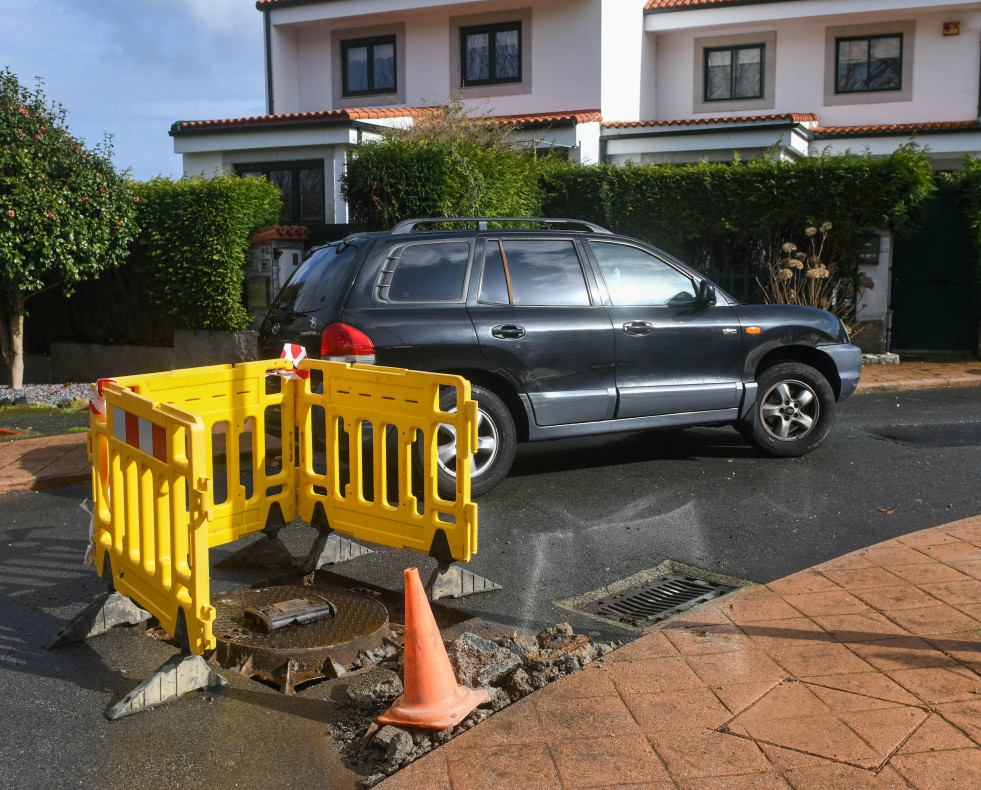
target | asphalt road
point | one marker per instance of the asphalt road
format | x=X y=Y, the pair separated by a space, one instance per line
x=557 y=527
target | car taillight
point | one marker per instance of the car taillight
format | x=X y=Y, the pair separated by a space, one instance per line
x=343 y=343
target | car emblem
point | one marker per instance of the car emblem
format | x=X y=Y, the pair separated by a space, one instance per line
x=275 y=329
x=313 y=322
x=726 y=331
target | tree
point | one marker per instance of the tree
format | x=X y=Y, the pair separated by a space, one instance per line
x=65 y=213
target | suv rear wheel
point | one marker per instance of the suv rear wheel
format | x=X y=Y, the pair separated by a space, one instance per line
x=795 y=409
x=496 y=441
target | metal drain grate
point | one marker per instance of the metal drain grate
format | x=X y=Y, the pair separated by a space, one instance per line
x=657 y=600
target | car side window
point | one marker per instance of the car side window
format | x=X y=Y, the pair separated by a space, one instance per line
x=433 y=272
x=544 y=272
x=635 y=277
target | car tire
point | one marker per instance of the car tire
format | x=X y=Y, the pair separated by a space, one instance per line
x=496 y=444
x=794 y=410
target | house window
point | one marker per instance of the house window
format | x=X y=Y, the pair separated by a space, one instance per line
x=866 y=64
x=490 y=54
x=301 y=187
x=734 y=72
x=368 y=66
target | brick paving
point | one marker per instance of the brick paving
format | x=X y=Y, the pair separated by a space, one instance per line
x=43 y=462
x=920 y=375
x=862 y=672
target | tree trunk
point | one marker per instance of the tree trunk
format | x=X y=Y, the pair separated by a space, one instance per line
x=12 y=341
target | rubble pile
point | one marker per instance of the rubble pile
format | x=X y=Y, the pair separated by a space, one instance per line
x=508 y=667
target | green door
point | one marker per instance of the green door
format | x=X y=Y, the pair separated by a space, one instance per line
x=932 y=282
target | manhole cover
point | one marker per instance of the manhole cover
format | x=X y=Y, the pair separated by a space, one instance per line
x=296 y=653
x=649 y=598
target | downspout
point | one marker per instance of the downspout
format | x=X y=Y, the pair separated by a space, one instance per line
x=267 y=38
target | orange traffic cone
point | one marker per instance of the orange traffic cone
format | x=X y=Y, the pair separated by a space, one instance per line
x=432 y=698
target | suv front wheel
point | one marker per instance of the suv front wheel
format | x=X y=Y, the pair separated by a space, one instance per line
x=495 y=444
x=795 y=409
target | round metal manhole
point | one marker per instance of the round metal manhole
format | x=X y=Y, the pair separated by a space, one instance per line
x=296 y=653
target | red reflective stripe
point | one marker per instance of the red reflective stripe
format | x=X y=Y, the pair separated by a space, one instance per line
x=160 y=443
x=132 y=430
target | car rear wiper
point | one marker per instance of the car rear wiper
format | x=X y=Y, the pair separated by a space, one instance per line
x=289 y=315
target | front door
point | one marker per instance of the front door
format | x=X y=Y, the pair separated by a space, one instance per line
x=537 y=318
x=674 y=354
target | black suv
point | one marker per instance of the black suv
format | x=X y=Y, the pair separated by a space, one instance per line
x=569 y=330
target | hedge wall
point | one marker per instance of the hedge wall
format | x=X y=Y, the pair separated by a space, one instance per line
x=195 y=233
x=395 y=179
x=725 y=216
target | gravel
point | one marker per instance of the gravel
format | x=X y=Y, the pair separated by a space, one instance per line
x=48 y=394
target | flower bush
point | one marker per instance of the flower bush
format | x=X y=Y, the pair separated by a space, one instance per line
x=68 y=215
x=802 y=277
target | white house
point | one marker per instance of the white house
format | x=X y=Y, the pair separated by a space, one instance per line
x=606 y=80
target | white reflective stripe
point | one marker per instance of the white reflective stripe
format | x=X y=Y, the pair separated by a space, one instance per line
x=118 y=424
x=146 y=436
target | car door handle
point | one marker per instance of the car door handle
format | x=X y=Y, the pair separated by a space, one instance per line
x=637 y=328
x=508 y=331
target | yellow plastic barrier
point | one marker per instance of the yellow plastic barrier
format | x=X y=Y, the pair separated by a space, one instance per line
x=163 y=438
x=233 y=403
x=385 y=406
x=152 y=501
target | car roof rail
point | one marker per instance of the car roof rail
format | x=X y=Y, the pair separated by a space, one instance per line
x=408 y=225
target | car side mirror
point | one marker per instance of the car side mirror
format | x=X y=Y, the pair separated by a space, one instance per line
x=706 y=293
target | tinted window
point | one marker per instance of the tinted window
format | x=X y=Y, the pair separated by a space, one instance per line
x=635 y=277
x=321 y=276
x=494 y=284
x=544 y=272
x=429 y=273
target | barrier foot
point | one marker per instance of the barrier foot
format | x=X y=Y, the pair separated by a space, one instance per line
x=330 y=548
x=452 y=581
x=105 y=612
x=178 y=676
x=267 y=552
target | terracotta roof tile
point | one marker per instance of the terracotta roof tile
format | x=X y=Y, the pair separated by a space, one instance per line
x=805 y=117
x=368 y=114
x=280 y=233
x=683 y=5
x=576 y=116
x=360 y=114
x=894 y=127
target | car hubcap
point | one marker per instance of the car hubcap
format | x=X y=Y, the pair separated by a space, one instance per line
x=789 y=410
x=486 y=450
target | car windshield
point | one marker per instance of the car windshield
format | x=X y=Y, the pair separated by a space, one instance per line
x=320 y=276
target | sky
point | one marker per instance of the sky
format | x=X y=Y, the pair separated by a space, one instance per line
x=133 y=67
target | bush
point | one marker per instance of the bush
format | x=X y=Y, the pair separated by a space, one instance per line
x=395 y=179
x=195 y=234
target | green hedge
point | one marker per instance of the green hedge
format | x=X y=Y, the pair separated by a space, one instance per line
x=395 y=179
x=730 y=216
x=195 y=236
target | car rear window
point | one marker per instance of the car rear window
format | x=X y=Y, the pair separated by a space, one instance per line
x=325 y=273
x=430 y=272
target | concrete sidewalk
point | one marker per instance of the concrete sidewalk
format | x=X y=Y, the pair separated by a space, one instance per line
x=858 y=673
x=47 y=461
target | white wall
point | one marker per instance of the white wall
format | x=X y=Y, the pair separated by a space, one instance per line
x=945 y=69
x=565 y=53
